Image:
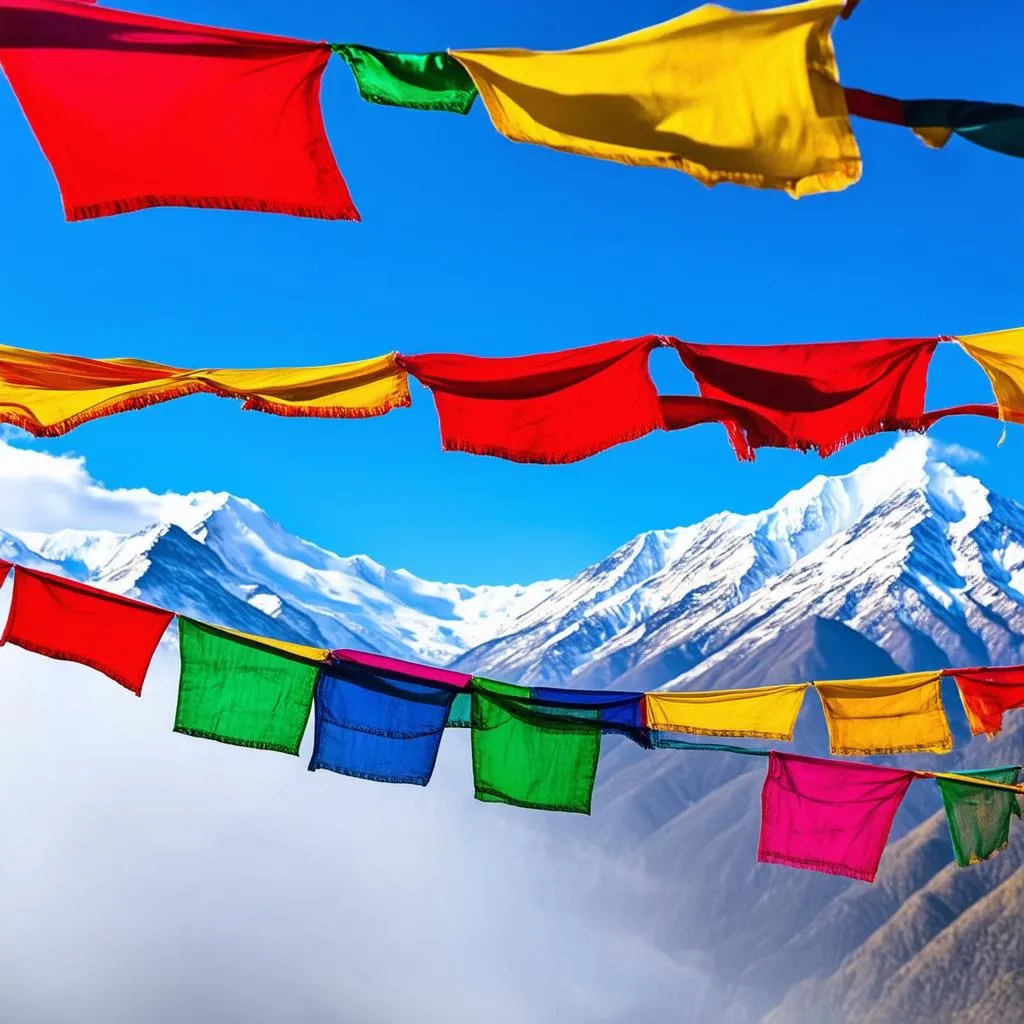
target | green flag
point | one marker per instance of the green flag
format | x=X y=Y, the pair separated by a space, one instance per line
x=237 y=691
x=978 y=817
x=424 y=81
x=525 y=757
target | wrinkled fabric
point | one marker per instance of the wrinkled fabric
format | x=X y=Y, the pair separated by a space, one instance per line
x=407 y=669
x=828 y=816
x=524 y=757
x=889 y=715
x=552 y=408
x=72 y=622
x=422 y=81
x=378 y=725
x=615 y=711
x=979 y=818
x=807 y=397
x=987 y=693
x=49 y=394
x=1001 y=355
x=750 y=97
x=767 y=712
x=133 y=111
x=242 y=691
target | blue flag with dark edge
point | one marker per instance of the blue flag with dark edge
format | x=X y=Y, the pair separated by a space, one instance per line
x=616 y=711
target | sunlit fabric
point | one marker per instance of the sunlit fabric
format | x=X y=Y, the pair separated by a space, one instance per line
x=767 y=712
x=979 y=818
x=828 y=816
x=988 y=693
x=750 y=97
x=1001 y=355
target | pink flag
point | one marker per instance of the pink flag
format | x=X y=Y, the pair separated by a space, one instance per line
x=411 y=669
x=830 y=816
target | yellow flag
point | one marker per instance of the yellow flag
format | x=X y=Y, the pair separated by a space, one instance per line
x=747 y=97
x=890 y=715
x=285 y=646
x=768 y=712
x=1001 y=356
x=48 y=394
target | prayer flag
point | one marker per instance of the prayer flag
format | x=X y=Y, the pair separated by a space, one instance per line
x=242 y=691
x=767 y=712
x=890 y=715
x=522 y=756
x=48 y=394
x=1001 y=355
x=5 y=568
x=615 y=711
x=423 y=81
x=379 y=725
x=72 y=622
x=460 y=714
x=134 y=111
x=829 y=816
x=811 y=396
x=987 y=693
x=408 y=669
x=556 y=407
x=750 y=97
x=995 y=126
x=978 y=817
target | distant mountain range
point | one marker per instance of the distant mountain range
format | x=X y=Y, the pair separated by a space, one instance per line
x=904 y=564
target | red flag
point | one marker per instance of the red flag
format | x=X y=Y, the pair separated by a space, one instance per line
x=812 y=396
x=555 y=407
x=987 y=693
x=73 y=622
x=134 y=111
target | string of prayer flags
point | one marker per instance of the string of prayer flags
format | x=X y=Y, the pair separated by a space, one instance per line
x=134 y=111
x=995 y=126
x=987 y=693
x=829 y=816
x=1001 y=355
x=379 y=723
x=812 y=396
x=48 y=394
x=552 y=408
x=889 y=715
x=978 y=817
x=525 y=757
x=767 y=712
x=422 y=81
x=751 y=98
x=69 y=621
x=242 y=691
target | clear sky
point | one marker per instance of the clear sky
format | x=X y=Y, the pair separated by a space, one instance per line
x=470 y=243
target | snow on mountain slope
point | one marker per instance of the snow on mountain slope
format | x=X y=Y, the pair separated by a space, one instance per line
x=919 y=558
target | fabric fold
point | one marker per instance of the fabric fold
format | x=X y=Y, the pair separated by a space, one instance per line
x=406 y=669
x=526 y=757
x=767 y=712
x=889 y=715
x=829 y=816
x=979 y=818
x=48 y=394
x=134 y=111
x=749 y=97
x=242 y=691
x=807 y=397
x=422 y=81
x=552 y=408
x=69 y=621
x=1001 y=355
x=372 y=723
x=988 y=693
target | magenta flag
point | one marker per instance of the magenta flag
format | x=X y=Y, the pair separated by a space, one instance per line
x=830 y=816
x=408 y=669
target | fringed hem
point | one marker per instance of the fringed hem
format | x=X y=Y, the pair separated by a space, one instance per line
x=737 y=733
x=50 y=652
x=397 y=401
x=112 y=207
x=575 y=455
x=975 y=859
x=368 y=776
x=746 y=449
x=825 y=867
x=490 y=796
x=441 y=106
x=944 y=748
x=252 y=744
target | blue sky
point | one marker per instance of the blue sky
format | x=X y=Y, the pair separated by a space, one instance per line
x=470 y=243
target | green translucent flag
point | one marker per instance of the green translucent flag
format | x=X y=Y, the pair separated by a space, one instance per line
x=237 y=691
x=424 y=81
x=979 y=818
x=460 y=714
x=523 y=757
